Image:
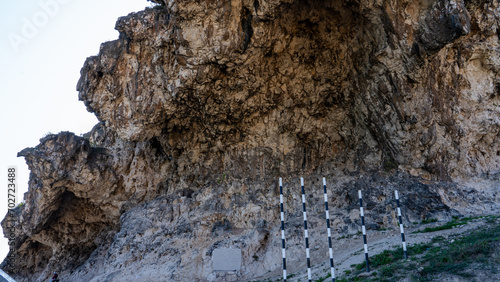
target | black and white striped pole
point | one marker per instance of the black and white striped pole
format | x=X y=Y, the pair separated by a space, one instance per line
x=332 y=267
x=282 y=214
x=306 y=235
x=401 y=224
x=364 y=229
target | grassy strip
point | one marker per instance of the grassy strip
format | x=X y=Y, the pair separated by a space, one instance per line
x=394 y=255
x=449 y=225
x=386 y=263
x=454 y=223
x=431 y=259
x=430 y=220
x=323 y=278
x=476 y=247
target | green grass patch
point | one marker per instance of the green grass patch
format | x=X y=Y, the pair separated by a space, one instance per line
x=456 y=257
x=360 y=266
x=418 y=249
x=397 y=254
x=387 y=262
x=449 y=225
x=388 y=271
x=429 y=220
x=438 y=239
x=321 y=279
x=491 y=219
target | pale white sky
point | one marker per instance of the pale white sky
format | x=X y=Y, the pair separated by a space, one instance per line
x=43 y=45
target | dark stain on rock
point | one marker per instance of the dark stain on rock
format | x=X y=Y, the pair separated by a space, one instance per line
x=222 y=225
x=246 y=27
x=256 y=5
x=156 y=145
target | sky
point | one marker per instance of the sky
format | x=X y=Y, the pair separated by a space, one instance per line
x=43 y=45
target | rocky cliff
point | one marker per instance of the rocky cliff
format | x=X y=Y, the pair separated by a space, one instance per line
x=204 y=104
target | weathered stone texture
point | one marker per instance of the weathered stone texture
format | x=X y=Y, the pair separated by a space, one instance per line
x=203 y=104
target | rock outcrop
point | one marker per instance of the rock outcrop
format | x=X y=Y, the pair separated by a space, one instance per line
x=204 y=104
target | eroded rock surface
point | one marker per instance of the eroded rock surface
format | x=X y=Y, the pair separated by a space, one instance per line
x=204 y=104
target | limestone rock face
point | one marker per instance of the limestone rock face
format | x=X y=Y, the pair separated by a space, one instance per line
x=204 y=104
